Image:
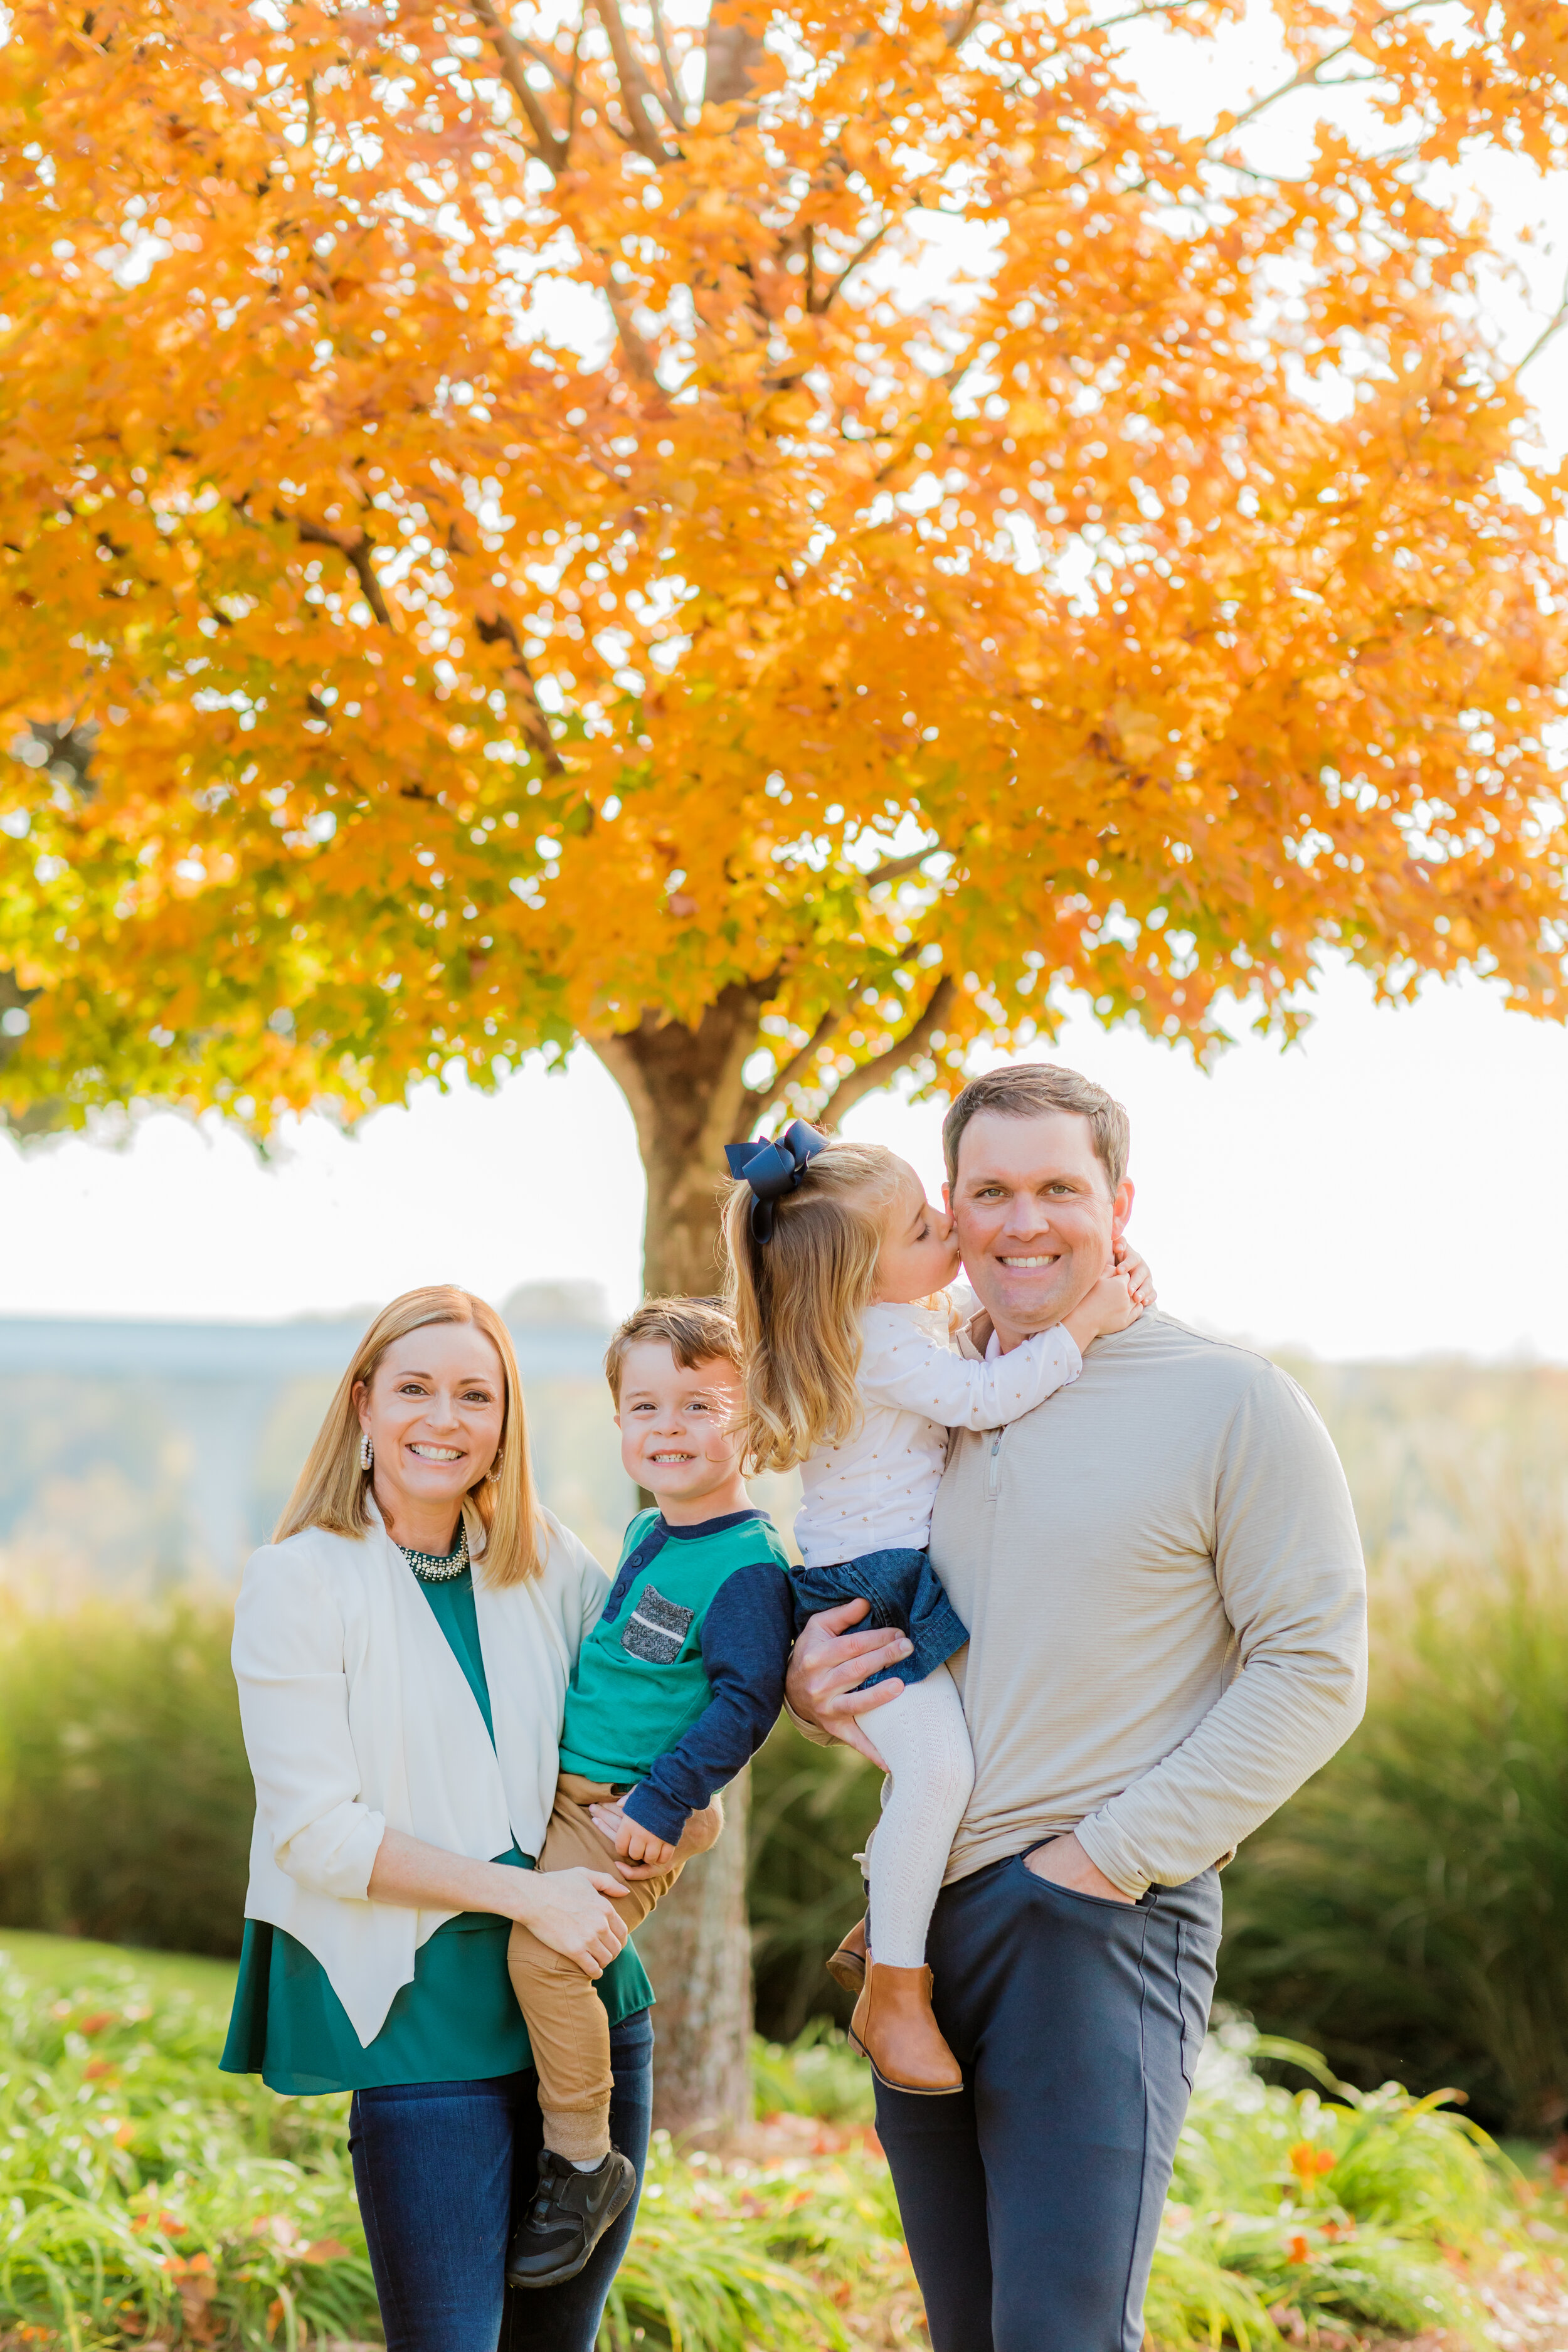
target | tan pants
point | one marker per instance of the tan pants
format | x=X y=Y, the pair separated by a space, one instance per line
x=567 y=2021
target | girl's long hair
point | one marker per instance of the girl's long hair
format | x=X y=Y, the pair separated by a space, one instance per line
x=798 y=1299
x=502 y=1511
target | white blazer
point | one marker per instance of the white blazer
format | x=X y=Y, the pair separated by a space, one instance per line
x=358 y=1717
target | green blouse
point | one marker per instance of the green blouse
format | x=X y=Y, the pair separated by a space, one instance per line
x=458 y=2021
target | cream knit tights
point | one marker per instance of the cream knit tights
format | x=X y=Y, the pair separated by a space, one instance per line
x=924 y=1741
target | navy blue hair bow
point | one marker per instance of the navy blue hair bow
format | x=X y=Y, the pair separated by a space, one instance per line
x=773 y=1169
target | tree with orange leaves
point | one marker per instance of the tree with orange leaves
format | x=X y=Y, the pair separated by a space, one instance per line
x=510 y=536
x=499 y=549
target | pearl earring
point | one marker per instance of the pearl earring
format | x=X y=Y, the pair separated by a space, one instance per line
x=493 y=1472
x=366 y=1451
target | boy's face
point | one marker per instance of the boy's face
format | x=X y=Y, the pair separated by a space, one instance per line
x=675 y=1426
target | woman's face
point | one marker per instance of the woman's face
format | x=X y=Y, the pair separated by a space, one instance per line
x=434 y=1413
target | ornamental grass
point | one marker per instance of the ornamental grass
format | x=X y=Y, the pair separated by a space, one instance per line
x=146 y=2201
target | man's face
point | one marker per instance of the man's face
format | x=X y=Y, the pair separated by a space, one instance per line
x=1035 y=1216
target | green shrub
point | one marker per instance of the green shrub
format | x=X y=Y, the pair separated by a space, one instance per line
x=812 y=1810
x=125 y=1798
x=819 y=2074
x=1407 y=1912
x=1363 y=2210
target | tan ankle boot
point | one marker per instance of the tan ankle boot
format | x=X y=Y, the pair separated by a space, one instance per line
x=847 y=1966
x=893 y=2026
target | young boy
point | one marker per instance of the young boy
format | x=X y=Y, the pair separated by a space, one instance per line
x=675 y=1689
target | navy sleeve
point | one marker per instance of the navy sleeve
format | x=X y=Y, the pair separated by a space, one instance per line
x=747 y=1630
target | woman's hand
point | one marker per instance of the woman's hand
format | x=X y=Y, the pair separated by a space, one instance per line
x=827 y=1665
x=573 y=1912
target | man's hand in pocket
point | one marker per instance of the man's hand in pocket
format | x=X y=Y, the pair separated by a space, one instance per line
x=1064 y=1862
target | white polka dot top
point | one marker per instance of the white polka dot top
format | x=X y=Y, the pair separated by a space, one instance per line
x=875 y=1491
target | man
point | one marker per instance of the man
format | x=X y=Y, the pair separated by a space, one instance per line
x=1162 y=1582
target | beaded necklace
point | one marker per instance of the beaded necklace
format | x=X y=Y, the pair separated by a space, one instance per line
x=430 y=1567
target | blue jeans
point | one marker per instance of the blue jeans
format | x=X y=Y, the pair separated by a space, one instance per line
x=444 y=2170
x=1031 y=2199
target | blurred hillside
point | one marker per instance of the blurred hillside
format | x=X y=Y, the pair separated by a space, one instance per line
x=146 y=1456
x=141 y=1458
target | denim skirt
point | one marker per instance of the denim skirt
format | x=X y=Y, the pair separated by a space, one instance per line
x=904 y=1590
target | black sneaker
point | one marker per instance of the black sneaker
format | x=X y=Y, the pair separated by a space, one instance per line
x=570 y=2213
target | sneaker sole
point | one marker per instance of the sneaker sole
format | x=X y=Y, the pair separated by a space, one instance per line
x=559 y=2278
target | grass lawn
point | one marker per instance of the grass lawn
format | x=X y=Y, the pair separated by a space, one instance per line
x=65 y=1961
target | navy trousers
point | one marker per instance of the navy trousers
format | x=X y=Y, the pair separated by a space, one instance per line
x=444 y=2170
x=1031 y=2200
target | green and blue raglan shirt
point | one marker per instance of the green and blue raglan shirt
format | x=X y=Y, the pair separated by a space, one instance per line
x=682 y=1677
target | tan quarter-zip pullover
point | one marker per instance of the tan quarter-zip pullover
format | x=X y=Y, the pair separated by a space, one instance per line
x=1163 y=1581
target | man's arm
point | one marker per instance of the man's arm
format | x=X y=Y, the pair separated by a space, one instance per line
x=1288 y=1563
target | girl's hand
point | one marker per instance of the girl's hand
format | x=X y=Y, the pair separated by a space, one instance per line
x=573 y=1911
x=1139 y=1281
x=1108 y=1308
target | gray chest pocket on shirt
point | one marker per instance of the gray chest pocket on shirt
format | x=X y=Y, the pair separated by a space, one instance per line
x=656 y=1628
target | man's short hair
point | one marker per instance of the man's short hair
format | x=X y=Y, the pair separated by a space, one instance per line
x=1025 y=1090
x=694 y=1329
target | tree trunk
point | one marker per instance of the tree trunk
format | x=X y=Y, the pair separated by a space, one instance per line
x=689 y=1100
x=698 y=1950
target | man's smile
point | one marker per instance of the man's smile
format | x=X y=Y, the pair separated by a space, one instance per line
x=1050 y=1258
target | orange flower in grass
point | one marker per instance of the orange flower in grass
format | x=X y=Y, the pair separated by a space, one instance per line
x=1308 y=2162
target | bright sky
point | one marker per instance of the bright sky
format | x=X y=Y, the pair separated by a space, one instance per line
x=1394 y=1187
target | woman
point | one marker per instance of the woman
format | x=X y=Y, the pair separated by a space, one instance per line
x=402 y=1651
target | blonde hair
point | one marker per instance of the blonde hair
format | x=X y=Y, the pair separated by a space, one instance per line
x=798 y=1298
x=502 y=1510
x=694 y=1329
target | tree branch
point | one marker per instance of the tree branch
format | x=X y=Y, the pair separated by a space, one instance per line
x=353 y=545
x=635 y=84
x=897 y=867
x=676 y=110
x=732 y=47
x=763 y=1098
x=502 y=630
x=885 y=1065
x=1134 y=16
x=552 y=148
x=1309 y=73
x=1555 y=326
x=640 y=359
x=839 y=284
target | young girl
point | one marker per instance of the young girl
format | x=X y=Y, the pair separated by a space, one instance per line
x=834 y=1260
